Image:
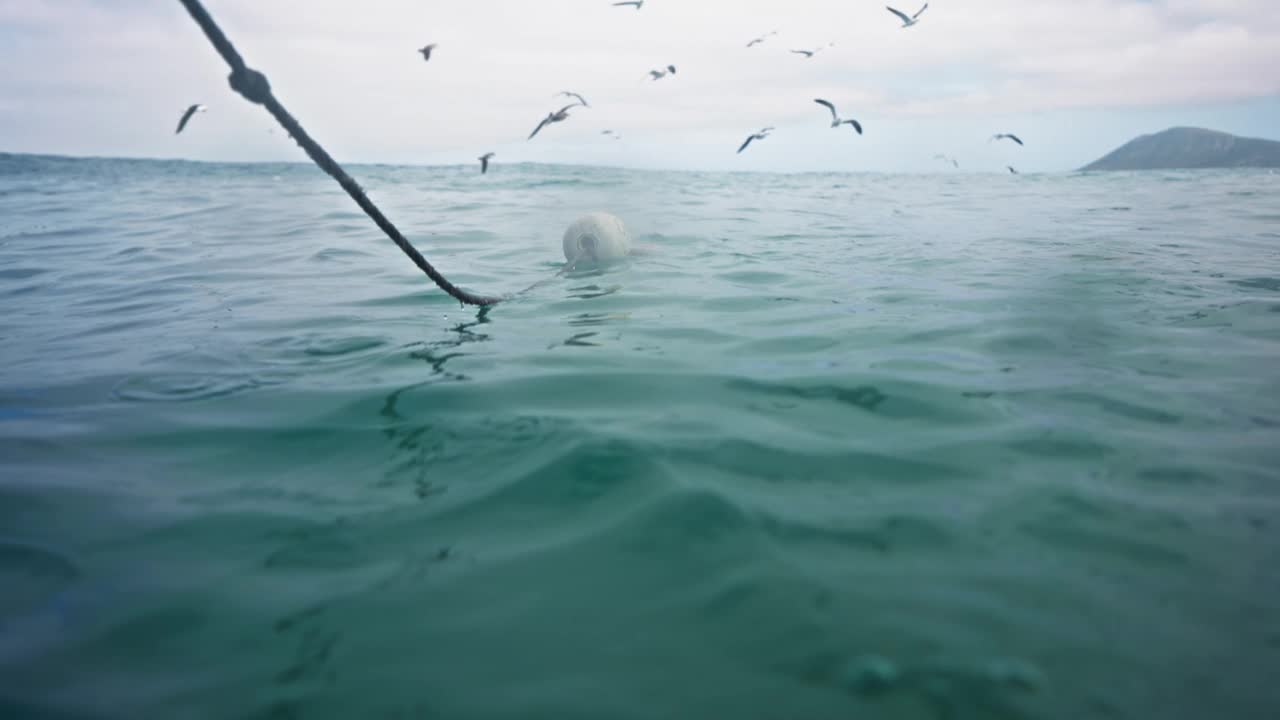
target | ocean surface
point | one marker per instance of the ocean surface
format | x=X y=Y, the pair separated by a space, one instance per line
x=960 y=446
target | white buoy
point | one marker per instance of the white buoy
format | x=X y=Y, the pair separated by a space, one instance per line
x=598 y=237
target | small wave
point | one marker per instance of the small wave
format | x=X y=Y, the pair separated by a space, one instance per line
x=180 y=387
x=57 y=233
x=757 y=277
x=220 y=209
x=866 y=397
x=338 y=254
x=33 y=576
x=36 y=560
x=21 y=273
x=346 y=346
x=1259 y=283
x=557 y=182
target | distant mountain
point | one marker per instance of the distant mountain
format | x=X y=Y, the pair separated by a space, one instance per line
x=1188 y=148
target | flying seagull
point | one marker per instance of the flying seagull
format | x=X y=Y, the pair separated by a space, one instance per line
x=947 y=158
x=637 y=3
x=659 y=74
x=835 y=118
x=1002 y=136
x=761 y=39
x=810 y=53
x=908 y=21
x=764 y=133
x=1011 y=170
x=186 y=116
x=484 y=162
x=576 y=96
x=426 y=51
x=558 y=116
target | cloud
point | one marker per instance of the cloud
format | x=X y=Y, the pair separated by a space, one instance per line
x=98 y=76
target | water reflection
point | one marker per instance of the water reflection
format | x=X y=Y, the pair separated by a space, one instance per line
x=593 y=319
x=587 y=292
x=414 y=442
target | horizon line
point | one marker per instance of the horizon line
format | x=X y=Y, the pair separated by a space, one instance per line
x=522 y=163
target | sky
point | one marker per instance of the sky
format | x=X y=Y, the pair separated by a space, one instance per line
x=1073 y=78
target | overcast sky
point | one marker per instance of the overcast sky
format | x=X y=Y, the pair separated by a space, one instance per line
x=1074 y=78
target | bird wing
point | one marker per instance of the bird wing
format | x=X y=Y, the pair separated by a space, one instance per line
x=185 y=117
x=920 y=11
x=566 y=109
x=672 y=68
x=748 y=142
x=755 y=42
x=899 y=13
x=1015 y=138
x=828 y=106
x=541 y=125
x=856 y=125
x=484 y=165
x=806 y=53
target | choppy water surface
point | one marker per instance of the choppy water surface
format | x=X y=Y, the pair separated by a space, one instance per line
x=955 y=446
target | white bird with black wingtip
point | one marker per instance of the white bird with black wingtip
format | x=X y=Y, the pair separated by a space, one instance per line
x=836 y=120
x=581 y=100
x=659 y=74
x=759 y=135
x=558 y=116
x=808 y=54
x=908 y=21
x=947 y=159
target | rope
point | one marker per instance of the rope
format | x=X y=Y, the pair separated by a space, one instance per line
x=253 y=86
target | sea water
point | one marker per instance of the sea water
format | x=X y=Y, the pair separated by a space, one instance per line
x=836 y=446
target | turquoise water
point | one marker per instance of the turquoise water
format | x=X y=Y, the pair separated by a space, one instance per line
x=840 y=446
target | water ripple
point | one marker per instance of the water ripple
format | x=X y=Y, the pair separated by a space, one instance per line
x=817 y=453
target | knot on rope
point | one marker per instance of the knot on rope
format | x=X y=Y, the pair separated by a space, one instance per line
x=251 y=84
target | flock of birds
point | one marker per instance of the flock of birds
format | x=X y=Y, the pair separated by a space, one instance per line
x=562 y=114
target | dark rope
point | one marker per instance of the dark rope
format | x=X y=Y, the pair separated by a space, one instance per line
x=254 y=87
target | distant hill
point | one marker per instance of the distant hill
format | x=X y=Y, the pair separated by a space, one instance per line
x=1189 y=148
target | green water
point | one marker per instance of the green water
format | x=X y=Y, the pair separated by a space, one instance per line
x=840 y=446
